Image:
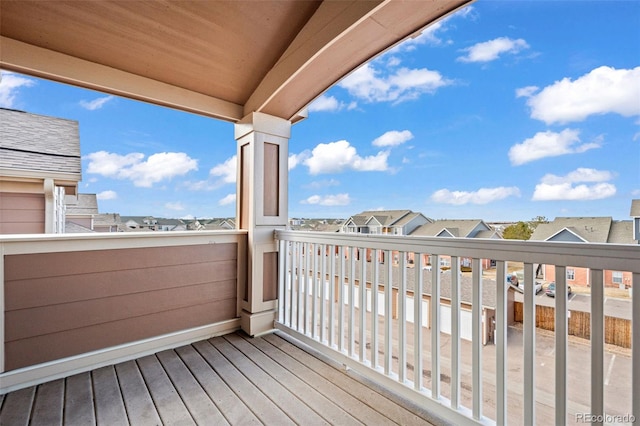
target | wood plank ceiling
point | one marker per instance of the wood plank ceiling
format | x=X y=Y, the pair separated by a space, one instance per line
x=223 y=59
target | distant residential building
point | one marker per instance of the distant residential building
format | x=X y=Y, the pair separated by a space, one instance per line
x=590 y=230
x=150 y=223
x=316 y=225
x=39 y=165
x=385 y=222
x=81 y=210
x=458 y=228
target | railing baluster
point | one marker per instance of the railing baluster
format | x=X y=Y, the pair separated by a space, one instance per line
x=374 y=310
x=417 y=322
x=597 y=349
x=363 y=306
x=635 y=348
x=561 y=327
x=301 y=284
x=352 y=303
x=314 y=293
x=435 y=326
x=323 y=299
x=341 y=301
x=455 y=332
x=477 y=340
x=500 y=341
x=388 y=313
x=294 y=283
x=282 y=279
x=332 y=296
x=402 y=318
x=306 y=279
x=529 y=325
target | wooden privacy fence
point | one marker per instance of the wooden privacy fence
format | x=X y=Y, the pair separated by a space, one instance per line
x=617 y=331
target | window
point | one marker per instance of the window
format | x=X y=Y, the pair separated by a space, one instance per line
x=617 y=277
x=571 y=274
x=445 y=261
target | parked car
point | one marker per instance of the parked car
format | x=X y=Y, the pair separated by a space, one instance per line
x=537 y=286
x=551 y=290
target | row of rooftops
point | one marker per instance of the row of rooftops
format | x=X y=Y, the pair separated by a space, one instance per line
x=574 y=229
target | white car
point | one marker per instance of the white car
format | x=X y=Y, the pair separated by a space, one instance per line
x=537 y=286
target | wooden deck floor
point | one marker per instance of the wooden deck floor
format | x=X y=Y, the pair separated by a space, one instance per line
x=231 y=379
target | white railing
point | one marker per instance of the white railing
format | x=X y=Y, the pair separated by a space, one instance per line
x=320 y=300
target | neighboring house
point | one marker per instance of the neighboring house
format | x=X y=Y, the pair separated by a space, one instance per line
x=39 y=165
x=81 y=210
x=106 y=222
x=590 y=230
x=385 y=222
x=457 y=228
x=150 y=223
x=317 y=225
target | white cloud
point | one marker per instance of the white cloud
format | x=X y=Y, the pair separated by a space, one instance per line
x=229 y=199
x=592 y=185
x=328 y=200
x=604 y=90
x=326 y=103
x=177 y=206
x=491 y=50
x=96 y=103
x=368 y=84
x=322 y=184
x=336 y=157
x=158 y=167
x=10 y=84
x=393 y=138
x=481 y=196
x=227 y=170
x=549 y=144
x=525 y=92
x=107 y=195
x=295 y=159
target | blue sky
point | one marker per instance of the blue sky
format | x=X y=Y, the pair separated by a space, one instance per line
x=504 y=111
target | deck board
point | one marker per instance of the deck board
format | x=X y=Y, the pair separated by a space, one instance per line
x=47 y=407
x=232 y=379
x=232 y=407
x=78 y=401
x=137 y=400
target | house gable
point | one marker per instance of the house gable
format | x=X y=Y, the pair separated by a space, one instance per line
x=566 y=235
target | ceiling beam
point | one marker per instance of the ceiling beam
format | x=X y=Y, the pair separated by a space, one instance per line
x=39 y=62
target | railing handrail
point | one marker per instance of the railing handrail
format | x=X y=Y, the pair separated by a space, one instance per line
x=44 y=243
x=606 y=256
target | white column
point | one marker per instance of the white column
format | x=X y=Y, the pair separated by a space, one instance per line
x=262 y=184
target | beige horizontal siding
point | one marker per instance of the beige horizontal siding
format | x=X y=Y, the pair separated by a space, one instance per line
x=63 y=304
x=21 y=213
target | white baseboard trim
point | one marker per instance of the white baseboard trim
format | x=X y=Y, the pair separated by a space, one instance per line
x=53 y=370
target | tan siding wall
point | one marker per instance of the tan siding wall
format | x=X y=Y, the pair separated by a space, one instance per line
x=64 y=304
x=21 y=213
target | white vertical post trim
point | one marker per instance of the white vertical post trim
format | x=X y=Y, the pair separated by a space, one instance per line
x=435 y=327
x=307 y=284
x=477 y=340
x=388 y=313
x=561 y=332
x=363 y=306
x=323 y=286
x=341 y=300
x=375 y=359
x=597 y=346
x=500 y=340
x=402 y=319
x=352 y=303
x=455 y=332
x=417 y=323
x=529 y=325
x=282 y=279
x=301 y=283
x=315 y=293
x=332 y=295
x=635 y=348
